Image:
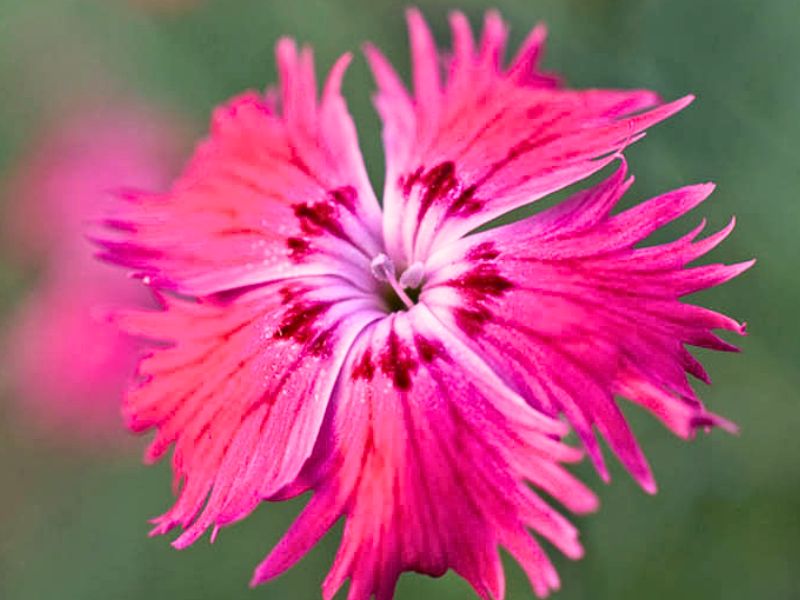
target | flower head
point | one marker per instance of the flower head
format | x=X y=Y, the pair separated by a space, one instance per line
x=68 y=364
x=410 y=373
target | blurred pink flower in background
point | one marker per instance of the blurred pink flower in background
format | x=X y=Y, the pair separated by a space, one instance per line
x=66 y=365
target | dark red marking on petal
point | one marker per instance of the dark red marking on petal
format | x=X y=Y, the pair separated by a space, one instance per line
x=397 y=362
x=364 y=367
x=472 y=320
x=441 y=185
x=298 y=321
x=291 y=291
x=287 y=294
x=479 y=286
x=322 y=344
x=298 y=248
x=698 y=421
x=345 y=196
x=429 y=350
x=466 y=204
x=226 y=337
x=407 y=182
x=483 y=251
x=318 y=217
x=296 y=160
x=481 y=281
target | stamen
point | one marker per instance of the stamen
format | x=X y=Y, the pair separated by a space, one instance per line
x=382 y=267
x=412 y=276
x=383 y=270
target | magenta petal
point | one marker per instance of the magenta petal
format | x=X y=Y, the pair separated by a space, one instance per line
x=488 y=139
x=569 y=310
x=427 y=463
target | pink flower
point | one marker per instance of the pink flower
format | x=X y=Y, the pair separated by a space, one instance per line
x=67 y=362
x=408 y=373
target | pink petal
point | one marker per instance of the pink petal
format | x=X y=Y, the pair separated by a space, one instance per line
x=266 y=195
x=489 y=139
x=566 y=308
x=240 y=392
x=427 y=465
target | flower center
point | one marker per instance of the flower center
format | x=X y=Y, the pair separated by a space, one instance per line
x=402 y=293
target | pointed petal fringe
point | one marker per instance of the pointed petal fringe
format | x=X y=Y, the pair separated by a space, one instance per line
x=240 y=392
x=488 y=139
x=567 y=308
x=270 y=194
x=427 y=461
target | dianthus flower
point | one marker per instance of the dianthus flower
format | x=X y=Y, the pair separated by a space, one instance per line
x=67 y=364
x=415 y=376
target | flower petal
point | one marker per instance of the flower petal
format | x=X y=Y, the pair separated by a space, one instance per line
x=427 y=459
x=269 y=194
x=488 y=139
x=240 y=392
x=568 y=311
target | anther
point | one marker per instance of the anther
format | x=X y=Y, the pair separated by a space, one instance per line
x=382 y=267
x=412 y=276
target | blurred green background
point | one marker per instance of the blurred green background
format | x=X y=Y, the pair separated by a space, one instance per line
x=725 y=523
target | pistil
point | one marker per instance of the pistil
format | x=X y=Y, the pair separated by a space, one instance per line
x=383 y=270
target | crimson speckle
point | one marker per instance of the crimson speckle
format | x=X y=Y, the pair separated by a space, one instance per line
x=398 y=363
x=428 y=349
x=319 y=217
x=472 y=320
x=535 y=111
x=438 y=183
x=322 y=342
x=480 y=287
x=485 y=251
x=298 y=248
x=407 y=182
x=290 y=292
x=482 y=281
x=466 y=204
x=364 y=368
x=298 y=321
x=345 y=196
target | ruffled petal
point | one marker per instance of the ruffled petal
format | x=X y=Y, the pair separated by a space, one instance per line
x=278 y=189
x=427 y=455
x=240 y=391
x=488 y=139
x=570 y=312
